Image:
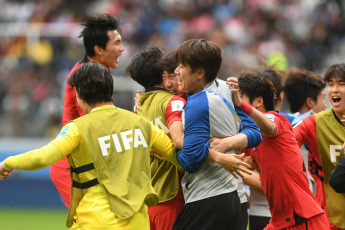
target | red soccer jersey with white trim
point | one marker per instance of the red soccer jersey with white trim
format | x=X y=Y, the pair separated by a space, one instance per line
x=174 y=110
x=284 y=180
x=305 y=133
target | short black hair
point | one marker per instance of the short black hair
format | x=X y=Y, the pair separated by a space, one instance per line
x=276 y=79
x=253 y=84
x=143 y=67
x=168 y=63
x=198 y=53
x=301 y=84
x=95 y=31
x=337 y=71
x=93 y=83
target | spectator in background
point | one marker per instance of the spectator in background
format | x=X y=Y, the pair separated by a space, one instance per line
x=103 y=44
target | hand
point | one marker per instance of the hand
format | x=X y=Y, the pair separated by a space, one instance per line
x=3 y=172
x=154 y=154
x=230 y=162
x=217 y=143
x=236 y=97
x=137 y=101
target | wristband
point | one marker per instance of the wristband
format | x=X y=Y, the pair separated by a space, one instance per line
x=246 y=108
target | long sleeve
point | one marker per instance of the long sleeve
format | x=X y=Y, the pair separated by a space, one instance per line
x=164 y=146
x=250 y=129
x=196 y=135
x=67 y=140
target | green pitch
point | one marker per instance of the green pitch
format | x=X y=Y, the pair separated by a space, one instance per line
x=33 y=218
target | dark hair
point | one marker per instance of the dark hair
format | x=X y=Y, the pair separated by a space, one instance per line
x=95 y=31
x=337 y=71
x=143 y=67
x=93 y=83
x=253 y=84
x=276 y=80
x=301 y=84
x=168 y=63
x=198 y=53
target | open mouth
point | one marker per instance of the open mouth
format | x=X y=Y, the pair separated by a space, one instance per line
x=336 y=100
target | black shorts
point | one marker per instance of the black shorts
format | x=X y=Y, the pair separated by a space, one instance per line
x=218 y=212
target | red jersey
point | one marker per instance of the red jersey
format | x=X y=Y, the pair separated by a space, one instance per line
x=174 y=110
x=283 y=176
x=59 y=171
x=305 y=133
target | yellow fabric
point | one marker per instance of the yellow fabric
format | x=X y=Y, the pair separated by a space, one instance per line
x=330 y=137
x=165 y=178
x=120 y=152
x=94 y=209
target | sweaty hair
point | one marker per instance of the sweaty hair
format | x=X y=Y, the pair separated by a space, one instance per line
x=93 y=83
x=276 y=80
x=253 y=84
x=143 y=67
x=168 y=63
x=301 y=84
x=337 y=71
x=200 y=54
x=95 y=31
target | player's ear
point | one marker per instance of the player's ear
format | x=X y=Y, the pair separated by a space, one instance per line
x=309 y=102
x=258 y=102
x=200 y=73
x=98 y=50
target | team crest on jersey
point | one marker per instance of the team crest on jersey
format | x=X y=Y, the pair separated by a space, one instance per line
x=269 y=116
x=177 y=106
x=62 y=132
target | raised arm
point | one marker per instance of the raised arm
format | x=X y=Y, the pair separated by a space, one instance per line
x=267 y=128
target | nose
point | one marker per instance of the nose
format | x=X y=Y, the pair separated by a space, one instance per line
x=177 y=71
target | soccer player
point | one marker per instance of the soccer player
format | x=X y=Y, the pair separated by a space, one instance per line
x=103 y=44
x=277 y=159
x=209 y=191
x=164 y=110
x=304 y=92
x=108 y=153
x=324 y=134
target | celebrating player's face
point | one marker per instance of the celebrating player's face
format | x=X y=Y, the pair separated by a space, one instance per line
x=113 y=50
x=171 y=84
x=336 y=95
x=187 y=81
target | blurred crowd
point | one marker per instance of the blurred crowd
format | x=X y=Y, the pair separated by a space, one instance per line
x=34 y=64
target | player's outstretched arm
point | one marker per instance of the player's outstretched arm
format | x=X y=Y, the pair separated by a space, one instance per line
x=230 y=162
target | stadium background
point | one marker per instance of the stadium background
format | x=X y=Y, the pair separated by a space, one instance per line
x=39 y=45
